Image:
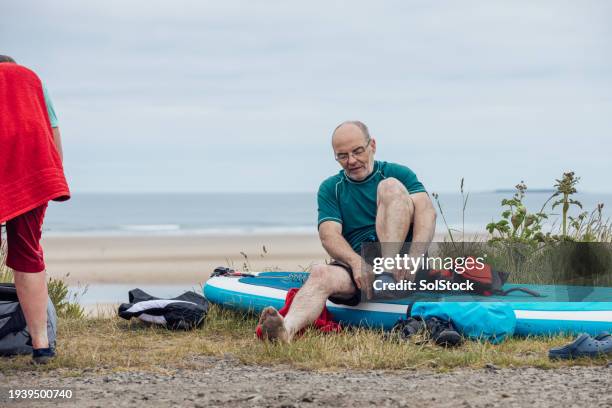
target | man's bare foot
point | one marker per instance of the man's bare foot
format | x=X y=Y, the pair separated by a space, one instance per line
x=273 y=325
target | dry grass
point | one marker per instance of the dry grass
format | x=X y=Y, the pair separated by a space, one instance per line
x=6 y=275
x=114 y=344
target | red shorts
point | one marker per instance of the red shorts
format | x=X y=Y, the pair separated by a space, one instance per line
x=23 y=241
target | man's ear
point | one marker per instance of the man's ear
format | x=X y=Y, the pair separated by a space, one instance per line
x=373 y=144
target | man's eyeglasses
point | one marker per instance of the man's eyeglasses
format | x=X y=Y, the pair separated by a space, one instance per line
x=358 y=152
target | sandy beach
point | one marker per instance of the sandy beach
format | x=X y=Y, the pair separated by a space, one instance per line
x=185 y=259
x=173 y=259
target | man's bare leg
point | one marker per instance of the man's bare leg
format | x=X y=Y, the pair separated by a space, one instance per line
x=323 y=282
x=32 y=293
x=394 y=214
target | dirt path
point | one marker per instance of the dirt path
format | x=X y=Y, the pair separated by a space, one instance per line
x=227 y=383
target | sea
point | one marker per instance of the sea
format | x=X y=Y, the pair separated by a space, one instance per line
x=103 y=214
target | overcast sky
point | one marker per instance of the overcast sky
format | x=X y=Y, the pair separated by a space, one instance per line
x=243 y=95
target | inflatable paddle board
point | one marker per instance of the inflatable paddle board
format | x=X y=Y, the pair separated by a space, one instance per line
x=535 y=316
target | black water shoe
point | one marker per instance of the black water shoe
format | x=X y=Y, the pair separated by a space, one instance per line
x=409 y=327
x=43 y=355
x=443 y=333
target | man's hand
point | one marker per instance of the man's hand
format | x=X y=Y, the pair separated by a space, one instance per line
x=402 y=274
x=408 y=273
x=336 y=246
x=364 y=276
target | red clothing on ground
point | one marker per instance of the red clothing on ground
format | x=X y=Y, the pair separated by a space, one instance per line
x=24 y=253
x=31 y=171
x=324 y=322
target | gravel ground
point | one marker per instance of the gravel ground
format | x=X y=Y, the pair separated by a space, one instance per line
x=227 y=383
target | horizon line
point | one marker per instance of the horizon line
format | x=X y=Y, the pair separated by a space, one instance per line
x=494 y=191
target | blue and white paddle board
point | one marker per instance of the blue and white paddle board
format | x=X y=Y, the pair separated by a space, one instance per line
x=535 y=316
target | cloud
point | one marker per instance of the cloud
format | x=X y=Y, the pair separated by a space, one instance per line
x=171 y=92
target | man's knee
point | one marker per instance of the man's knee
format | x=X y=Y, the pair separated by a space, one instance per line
x=320 y=276
x=318 y=272
x=327 y=278
x=391 y=189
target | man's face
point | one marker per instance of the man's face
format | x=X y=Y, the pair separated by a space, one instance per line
x=354 y=152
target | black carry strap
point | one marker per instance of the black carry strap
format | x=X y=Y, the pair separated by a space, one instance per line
x=525 y=290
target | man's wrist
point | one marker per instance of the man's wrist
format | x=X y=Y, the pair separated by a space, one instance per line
x=356 y=264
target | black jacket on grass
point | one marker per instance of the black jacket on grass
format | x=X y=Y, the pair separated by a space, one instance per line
x=183 y=312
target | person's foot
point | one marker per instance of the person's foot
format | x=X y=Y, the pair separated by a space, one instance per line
x=43 y=356
x=273 y=326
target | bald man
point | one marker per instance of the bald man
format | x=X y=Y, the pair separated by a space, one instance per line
x=367 y=201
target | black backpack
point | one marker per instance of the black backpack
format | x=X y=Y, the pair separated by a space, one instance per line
x=14 y=336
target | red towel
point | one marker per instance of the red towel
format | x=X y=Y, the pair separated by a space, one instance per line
x=31 y=171
x=324 y=322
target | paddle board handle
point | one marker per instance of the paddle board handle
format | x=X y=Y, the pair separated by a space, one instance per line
x=223 y=271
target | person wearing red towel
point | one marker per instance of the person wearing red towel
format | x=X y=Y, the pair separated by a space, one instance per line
x=31 y=175
x=367 y=201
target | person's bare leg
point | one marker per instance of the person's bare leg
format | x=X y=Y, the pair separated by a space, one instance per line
x=394 y=214
x=324 y=281
x=32 y=293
